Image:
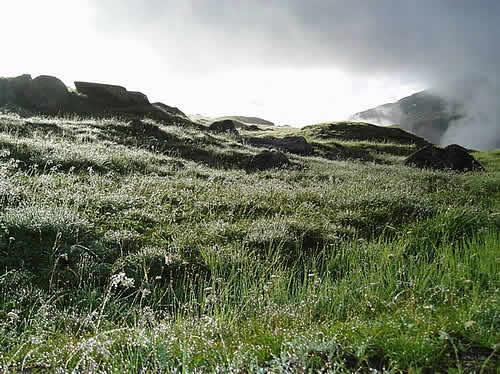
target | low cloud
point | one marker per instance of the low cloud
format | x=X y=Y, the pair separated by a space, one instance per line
x=435 y=42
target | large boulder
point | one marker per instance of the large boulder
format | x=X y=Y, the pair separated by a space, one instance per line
x=111 y=95
x=227 y=126
x=292 y=144
x=46 y=93
x=19 y=85
x=169 y=109
x=452 y=157
x=137 y=98
x=268 y=159
x=12 y=89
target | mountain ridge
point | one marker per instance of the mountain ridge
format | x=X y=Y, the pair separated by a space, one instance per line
x=424 y=113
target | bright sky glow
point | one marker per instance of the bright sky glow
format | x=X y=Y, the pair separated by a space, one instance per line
x=59 y=37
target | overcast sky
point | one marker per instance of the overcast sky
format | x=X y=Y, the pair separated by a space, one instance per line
x=290 y=61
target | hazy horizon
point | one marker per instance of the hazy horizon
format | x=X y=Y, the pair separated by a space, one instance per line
x=291 y=62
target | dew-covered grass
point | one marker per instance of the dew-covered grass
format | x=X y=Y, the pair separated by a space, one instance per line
x=154 y=250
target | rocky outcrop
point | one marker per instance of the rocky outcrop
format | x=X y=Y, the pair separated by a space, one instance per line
x=268 y=160
x=44 y=93
x=49 y=95
x=170 y=109
x=252 y=128
x=225 y=126
x=111 y=95
x=292 y=144
x=453 y=157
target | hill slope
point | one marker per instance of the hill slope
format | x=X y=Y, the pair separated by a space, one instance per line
x=154 y=245
x=425 y=114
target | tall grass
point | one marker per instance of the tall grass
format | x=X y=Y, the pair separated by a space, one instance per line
x=356 y=305
x=128 y=253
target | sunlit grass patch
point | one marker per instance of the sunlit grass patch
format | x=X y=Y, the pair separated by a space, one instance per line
x=152 y=248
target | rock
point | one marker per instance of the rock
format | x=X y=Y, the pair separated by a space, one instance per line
x=292 y=144
x=12 y=89
x=20 y=84
x=223 y=126
x=460 y=159
x=111 y=95
x=137 y=98
x=268 y=160
x=169 y=109
x=252 y=128
x=453 y=157
x=49 y=95
x=46 y=93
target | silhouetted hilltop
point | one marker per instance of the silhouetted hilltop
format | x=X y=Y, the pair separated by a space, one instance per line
x=424 y=113
x=49 y=95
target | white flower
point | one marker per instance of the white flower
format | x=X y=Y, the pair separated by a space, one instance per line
x=13 y=316
x=121 y=279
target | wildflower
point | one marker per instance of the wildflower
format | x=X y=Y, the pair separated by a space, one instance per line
x=121 y=279
x=36 y=340
x=443 y=335
x=13 y=316
x=469 y=324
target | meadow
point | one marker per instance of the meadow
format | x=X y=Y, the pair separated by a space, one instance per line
x=153 y=249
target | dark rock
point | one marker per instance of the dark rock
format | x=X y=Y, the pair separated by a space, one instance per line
x=111 y=95
x=46 y=93
x=453 y=157
x=292 y=144
x=12 y=89
x=456 y=146
x=268 y=160
x=138 y=98
x=460 y=159
x=223 y=126
x=19 y=85
x=169 y=109
x=49 y=95
x=252 y=128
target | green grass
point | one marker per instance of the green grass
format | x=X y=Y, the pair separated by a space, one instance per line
x=125 y=249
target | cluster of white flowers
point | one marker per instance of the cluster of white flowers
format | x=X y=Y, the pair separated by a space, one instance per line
x=122 y=280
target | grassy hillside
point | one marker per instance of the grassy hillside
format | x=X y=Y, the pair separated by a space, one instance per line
x=125 y=248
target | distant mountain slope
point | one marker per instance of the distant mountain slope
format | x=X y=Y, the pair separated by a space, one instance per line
x=204 y=120
x=251 y=120
x=424 y=113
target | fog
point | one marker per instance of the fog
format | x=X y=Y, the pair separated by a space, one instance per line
x=294 y=61
x=447 y=45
